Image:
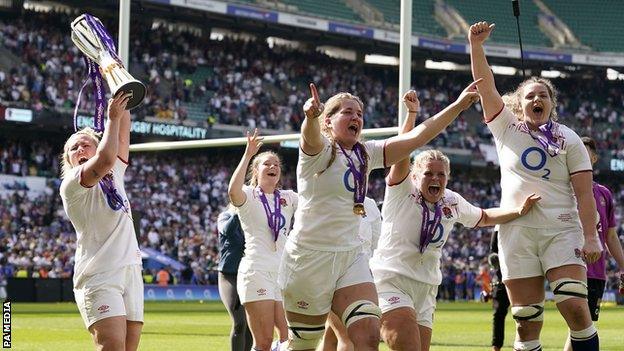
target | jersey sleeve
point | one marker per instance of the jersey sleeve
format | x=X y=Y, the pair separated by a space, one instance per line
x=312 y=164
x=244 y=209
x=577 y=157
x=71 y=187
x=376 y=153
x=469 y=215
x=499 y=123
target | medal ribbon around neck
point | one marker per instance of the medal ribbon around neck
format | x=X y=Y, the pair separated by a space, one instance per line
x=359 y=180
x=546 y=139
x=427 y=227
x=114 y=200
x=273 y=217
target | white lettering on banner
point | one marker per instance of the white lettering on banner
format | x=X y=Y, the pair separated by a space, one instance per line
x=206 y=5
x=501 y=51
x=149 y=128
x=304 y=22
x=141 y=127
x=178 y=131
x=617 y=165
x=18 y=115
x=598 y=60
x=385 y=35
x=350 y=31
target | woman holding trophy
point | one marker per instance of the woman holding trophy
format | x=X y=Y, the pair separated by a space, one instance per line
x=108 y=284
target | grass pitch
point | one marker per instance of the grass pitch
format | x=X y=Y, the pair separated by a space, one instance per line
x=192 y=326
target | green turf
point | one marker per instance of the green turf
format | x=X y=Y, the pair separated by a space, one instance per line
x=205 y=326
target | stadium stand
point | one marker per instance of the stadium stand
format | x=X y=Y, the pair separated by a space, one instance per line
x=500 y=12
x=599 y=38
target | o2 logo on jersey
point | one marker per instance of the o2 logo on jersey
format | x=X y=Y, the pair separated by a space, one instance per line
x=534 y=159
x=282 y=222
x=438 y=238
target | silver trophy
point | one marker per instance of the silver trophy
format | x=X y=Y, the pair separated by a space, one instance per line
x=90 y=41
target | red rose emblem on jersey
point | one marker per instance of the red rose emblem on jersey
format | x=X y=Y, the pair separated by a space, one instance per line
x=283 y=202
x=447 y=212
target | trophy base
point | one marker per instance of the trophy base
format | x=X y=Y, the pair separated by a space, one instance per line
x=137 y=91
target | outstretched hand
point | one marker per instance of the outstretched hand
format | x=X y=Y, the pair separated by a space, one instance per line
x=410 y=99
x=313 y=106
x=528 y=203
x=254 y=143
x=117 y=106
x=469 y=96
x=479 y=32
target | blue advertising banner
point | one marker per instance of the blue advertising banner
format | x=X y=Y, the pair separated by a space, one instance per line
x=547 y=56
x=356 y=31
x=249 y=12
x=180 y=292
x=442 y=45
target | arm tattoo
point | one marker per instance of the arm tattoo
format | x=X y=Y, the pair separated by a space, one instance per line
x=95 y=174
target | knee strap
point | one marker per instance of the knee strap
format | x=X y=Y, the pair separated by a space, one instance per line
x=567 y=288
x=359 y=310
x=531 y=345
x=531 y=313
x=304 y=336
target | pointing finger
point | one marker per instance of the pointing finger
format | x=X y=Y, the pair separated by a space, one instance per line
x=314 y=93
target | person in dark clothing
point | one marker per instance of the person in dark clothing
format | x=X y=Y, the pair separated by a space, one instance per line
x=231 y=246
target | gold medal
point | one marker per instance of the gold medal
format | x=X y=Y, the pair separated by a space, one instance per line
x=358 y=209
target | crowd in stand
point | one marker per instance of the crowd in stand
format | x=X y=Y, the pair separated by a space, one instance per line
x=249 y=83
x=176 y=197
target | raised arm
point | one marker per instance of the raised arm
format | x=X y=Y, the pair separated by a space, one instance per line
x=400 y=170
x=582 y=186
x=104 y=159
x=311 y=138
x=235 y=188
x=400 y=146
x=124 y=136
x=497 y=215
x=490 y=98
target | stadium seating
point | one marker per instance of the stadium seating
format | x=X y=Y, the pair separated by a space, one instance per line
x=325 y=9
x=500 y=12
x=600 y=27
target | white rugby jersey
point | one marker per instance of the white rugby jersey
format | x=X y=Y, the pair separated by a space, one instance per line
x=398 y=250
x=370 y=227
x=106 y=239
x=324 y=219
x=527 y=168
x=262 y=252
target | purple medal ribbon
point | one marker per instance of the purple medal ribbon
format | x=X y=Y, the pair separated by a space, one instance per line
x=546 y=139
x=359 y=180
x=427 y=228
x=273 y=217
x=114 y=200
x=95 y=76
